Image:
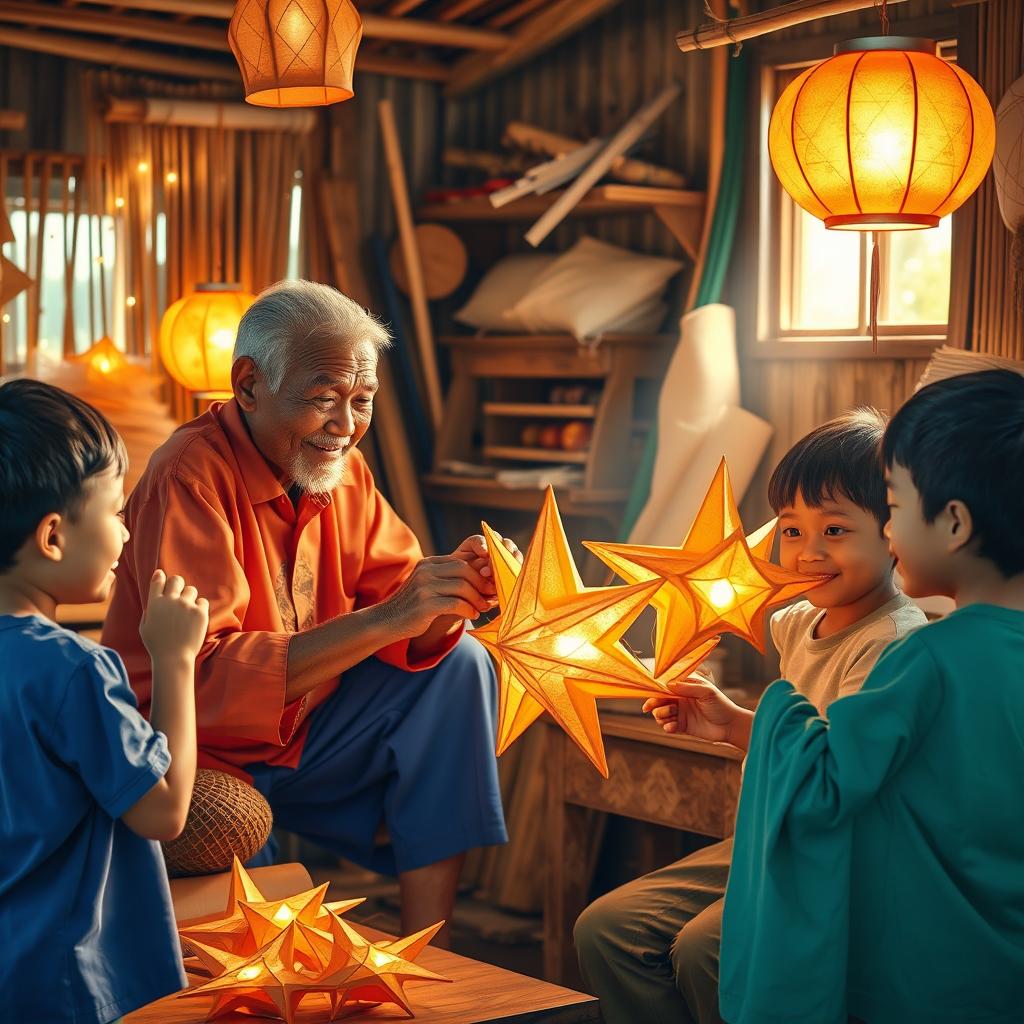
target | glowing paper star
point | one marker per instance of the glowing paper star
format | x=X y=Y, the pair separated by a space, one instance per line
x=557 y=642
x=250 y=920
x=718 y=580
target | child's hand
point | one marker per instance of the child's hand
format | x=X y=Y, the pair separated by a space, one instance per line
x=700 y=709
x=175 y=620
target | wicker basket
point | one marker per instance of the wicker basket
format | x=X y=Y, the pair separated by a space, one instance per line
x=227 y=817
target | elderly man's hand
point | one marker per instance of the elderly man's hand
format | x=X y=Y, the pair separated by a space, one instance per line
x=473 y=551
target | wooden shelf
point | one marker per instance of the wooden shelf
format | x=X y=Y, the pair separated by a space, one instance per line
x=603 y=200
x=534 y=454
x=477 y=492
x=541 y=409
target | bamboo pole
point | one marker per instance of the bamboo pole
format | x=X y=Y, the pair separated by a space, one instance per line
x=206 y=114
x=736 y=30
x=12 y=120
x=625 y=137
x=411 y=255
x=110 y=53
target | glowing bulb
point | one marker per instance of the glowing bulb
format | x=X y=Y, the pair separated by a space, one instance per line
x=284 y=914
x=130 y=301
x=119 y=202
x=722 y=594
x=171 y=177
x=248 y=973
x=102 y=364
x=379 y=959
x=7 y=318
x=223 y=339
x=143 y=167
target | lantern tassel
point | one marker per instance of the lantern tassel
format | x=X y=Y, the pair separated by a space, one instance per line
x=875 y=291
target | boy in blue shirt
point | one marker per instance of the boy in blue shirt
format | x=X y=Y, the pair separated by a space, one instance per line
x=87 y=786
x=877 y=869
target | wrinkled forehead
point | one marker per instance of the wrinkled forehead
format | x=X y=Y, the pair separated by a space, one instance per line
x=320 y=362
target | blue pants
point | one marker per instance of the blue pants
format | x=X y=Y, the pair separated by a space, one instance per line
x=412 y=749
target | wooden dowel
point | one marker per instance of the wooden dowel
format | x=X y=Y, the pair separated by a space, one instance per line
x=206 y=114
x=411 y=254
x=736 y=30
x=625 y=137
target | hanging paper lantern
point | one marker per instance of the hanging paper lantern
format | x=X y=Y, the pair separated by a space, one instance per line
x=295 y=53
x=883 y=136
x=197 y=336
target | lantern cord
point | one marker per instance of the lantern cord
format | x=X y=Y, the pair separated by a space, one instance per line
x=884 y=15
x=875 y=291
x=725 y=23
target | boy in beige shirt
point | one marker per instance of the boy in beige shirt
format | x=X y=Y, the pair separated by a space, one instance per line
x=650 y=948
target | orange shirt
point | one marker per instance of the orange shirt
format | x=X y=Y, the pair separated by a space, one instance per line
x=211 y=509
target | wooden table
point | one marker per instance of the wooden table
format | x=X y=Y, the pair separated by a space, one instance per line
x=479 y=994
x=677 y=781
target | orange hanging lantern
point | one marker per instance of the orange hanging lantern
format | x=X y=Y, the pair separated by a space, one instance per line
x=197 y=337
x=883 y=136
x=295 y=53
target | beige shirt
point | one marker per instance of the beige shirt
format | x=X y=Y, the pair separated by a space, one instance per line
x=827 y=668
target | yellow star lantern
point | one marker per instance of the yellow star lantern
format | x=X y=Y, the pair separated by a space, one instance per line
x=718 y=580
x=557 y=643
x=250 y=920
x=265 y=956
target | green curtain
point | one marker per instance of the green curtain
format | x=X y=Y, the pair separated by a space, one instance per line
x=716 y=263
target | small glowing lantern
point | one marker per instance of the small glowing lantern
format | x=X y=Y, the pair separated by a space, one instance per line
x=101 y=360
x=295 y=53
x=883 y=136
x=197 y=337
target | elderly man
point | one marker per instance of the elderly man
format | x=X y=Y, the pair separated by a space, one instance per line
x=335 y=674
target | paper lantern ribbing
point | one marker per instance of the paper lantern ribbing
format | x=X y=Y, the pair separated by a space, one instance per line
x=197 y=336
x=883 y=136
x=717 y=581
x=295 y=53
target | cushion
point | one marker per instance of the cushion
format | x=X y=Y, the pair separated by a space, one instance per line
x=490 y=306
x=590 y=287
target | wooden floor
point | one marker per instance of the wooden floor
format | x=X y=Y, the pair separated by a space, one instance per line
x=479 y=994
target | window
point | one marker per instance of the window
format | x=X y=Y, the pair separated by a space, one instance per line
x=815 y=283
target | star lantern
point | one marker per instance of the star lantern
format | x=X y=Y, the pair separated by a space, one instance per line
x=717 y=581
x=265 y=956
x=882 y=136
x=557 y=643
x=295 y=53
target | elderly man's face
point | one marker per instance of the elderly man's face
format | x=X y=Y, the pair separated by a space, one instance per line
x=323 y=408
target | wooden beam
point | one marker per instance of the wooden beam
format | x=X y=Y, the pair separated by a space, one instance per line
x=375 y=26
x=151 y=29
x=457 y=9
x=533 y=37
x=514 y=13
x=179 y=34
x=399 y=7
x=95 y=52
x=735 y=30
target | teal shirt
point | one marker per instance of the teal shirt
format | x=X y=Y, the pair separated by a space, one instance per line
x=878 y=867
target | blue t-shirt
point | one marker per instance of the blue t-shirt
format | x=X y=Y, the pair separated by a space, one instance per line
x=86 y=925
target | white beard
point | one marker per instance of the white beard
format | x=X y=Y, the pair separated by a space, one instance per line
x=321 y=478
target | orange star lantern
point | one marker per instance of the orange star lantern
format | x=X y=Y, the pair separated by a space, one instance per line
x=557 y=643
x=718 y=580
x=265 y=956
x=883 y=136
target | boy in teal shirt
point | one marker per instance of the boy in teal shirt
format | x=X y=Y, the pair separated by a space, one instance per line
x=878 y=868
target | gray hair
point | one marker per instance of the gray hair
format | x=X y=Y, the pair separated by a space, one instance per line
x=290 y=313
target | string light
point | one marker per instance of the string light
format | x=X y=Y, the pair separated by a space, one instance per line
x=143 y=166
x=119 y=202
x=130 y=301
x=171 y=177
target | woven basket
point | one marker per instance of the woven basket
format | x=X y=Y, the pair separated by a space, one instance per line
x=227 y=817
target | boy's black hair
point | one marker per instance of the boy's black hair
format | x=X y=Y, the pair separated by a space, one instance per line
x=963 y=438
x=50 y=443
x=839 y=459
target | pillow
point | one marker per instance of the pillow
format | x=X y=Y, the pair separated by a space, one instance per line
x=592 y=285
x=501 y=288
x=646 y=318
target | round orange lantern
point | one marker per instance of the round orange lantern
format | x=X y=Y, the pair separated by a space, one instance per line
x=295 y=53
x=882 y=136
x=197 y=337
